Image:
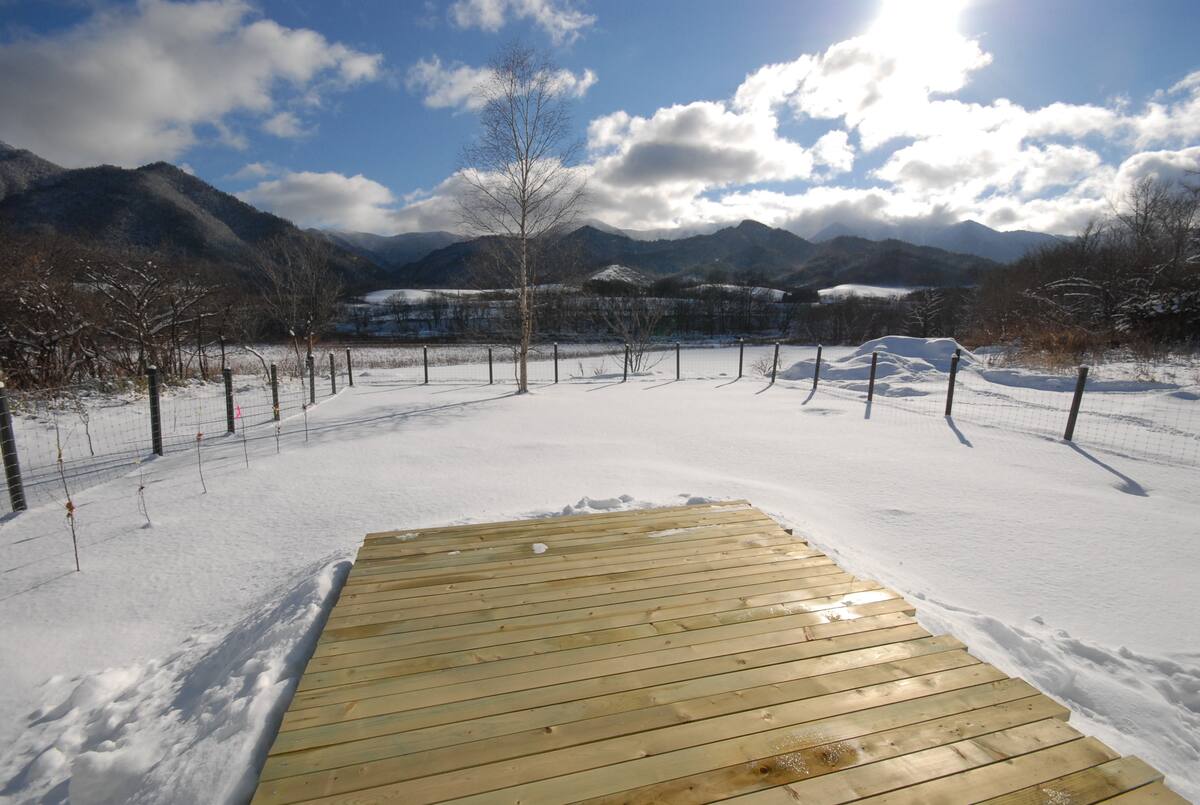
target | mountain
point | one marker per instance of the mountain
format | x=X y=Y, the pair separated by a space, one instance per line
x=20 y=170
x=750 y=251
x=390 y=251
x=966 y=237
x=159 y=208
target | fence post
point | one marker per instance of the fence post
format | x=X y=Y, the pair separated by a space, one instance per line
x=274 y=393
x=1080 y=382
x=490 y=376
x=349 y=369
x=950 y=388
x=817 y=367
x=625 y=371
x=871 y=382
x=775 y=363
x=677 y=360
x=227 y=374
x=555 y=361
x=222 y=339
x=312 y=380
x=741 y=355
x=8 y=447
x=155 y=413
x=425 y=351
x=332 y=375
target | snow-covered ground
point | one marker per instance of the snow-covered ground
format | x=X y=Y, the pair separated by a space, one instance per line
x=415 y=294
x=159 y=673
x=839 y=292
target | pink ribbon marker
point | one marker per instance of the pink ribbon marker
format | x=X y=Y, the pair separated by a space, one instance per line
x=237 y=412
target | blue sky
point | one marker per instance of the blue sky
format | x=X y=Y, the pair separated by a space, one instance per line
x=352 y=114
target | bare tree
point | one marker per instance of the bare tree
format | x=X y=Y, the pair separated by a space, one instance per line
x=520 y=187
x=299 y=288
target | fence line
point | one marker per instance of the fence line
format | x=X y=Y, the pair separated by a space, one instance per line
x=62 y=440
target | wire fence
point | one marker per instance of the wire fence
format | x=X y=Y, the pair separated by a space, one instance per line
x=70 y=438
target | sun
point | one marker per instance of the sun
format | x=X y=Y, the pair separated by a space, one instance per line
x=913 y=21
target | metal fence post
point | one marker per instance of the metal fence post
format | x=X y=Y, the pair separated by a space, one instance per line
x=274 y=393
x=775 y=363
x=950 y=388
x=222 y=339
x=490 y=376
x=312 y=380
x=677 y=360
x=227 y=374
x=425 y=350
x=741 y=355
x=555 y=361
x=332 y=375
x=817 y=367
x=8 y=447
x=625 y=371
x=349 y=369
x=155 y=412
x=871 y=382
x=1080 y=382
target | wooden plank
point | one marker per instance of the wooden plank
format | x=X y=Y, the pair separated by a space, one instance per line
x=493 y=715
x=673 y=528
x=398 y=758
x=1153 y=794
x=686 y=655
x=1003 y=777
x=431 y=615
x=1096 y=784
x=571 y=519
x=816 y=594
x=580 y=679
x=851 y=768
x=612 y=630
x=653 y=762
x=745 y=561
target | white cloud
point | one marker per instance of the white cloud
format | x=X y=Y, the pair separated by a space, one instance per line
x=254 y=170
x=133 y=84
x=561 y=21
x=327 y=200
x=460 y=86
x=284 y=124
x=833 y=150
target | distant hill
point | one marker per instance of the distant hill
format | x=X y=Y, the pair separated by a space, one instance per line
x=966 y=237
x=20 y=170
x=391 y=251
x=750 y=251
x=157 y=207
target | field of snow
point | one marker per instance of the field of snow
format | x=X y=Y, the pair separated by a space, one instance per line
x=839 y=292
x=159 y=672
x=414 y=294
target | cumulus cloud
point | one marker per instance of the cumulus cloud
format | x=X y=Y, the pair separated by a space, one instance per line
x=327 y=200
x=561 y=21
x=133 y=84
x=460 y=86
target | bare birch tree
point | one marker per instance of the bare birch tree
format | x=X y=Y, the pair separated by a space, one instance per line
x=520 y=188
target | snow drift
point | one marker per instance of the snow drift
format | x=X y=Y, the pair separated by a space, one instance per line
x=191 y=727
x=902 y=360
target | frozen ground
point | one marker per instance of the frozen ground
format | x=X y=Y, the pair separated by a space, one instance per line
x=160 y=671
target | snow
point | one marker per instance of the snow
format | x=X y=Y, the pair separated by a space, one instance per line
x=539 y=547
x=160 y=672
x=840 y=292
x=619 y=273
x=759 y=292
x=415 y=295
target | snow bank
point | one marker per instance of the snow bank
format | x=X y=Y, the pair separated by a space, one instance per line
x=191 y=727
x=839 y=292
x=903 y=361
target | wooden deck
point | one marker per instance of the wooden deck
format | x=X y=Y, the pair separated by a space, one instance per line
x=679 y=655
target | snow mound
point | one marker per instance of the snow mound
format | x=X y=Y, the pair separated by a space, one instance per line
x=191 y=727
x=902 y=360
x=588 y=505
x=845 y=290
